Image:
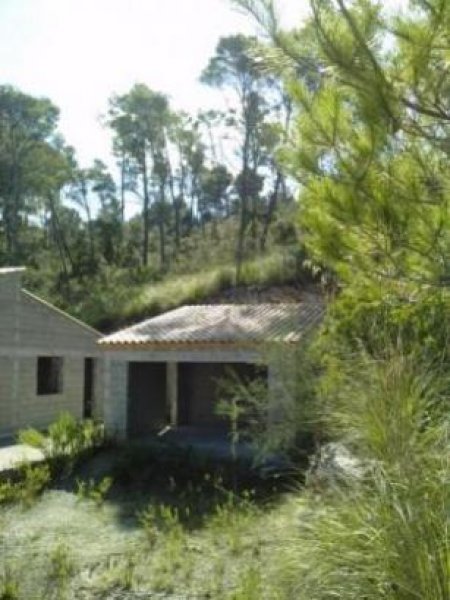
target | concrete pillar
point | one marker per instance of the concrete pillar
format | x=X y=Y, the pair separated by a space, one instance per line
x=115 y=406
x=172 y=392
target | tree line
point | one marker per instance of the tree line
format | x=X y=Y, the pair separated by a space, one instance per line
x=183 y=171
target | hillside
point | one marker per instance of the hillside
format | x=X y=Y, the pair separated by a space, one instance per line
x=203 y=272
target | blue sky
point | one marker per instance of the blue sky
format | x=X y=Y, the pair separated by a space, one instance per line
x=79 y=52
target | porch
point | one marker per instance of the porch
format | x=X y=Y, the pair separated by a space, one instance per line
x=183 y=396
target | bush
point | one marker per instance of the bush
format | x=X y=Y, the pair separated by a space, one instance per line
x=9 y=586
x=374 y=319
x=279 y=417
x=161 y=520
x=383 y=536
x=31 y=481
x=65 y=441
x=60 y=572
x=96 y=492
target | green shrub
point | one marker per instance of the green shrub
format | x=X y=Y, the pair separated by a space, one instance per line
x=65 y=440
x=9 y=585
x=94 y=491
x=161 y=519
x=35 y=478
x=30 y=482
x=374 y=319
x=8 y=492
x=279 y=418
x=60 y=571
x=383 y=536
x=250 y=586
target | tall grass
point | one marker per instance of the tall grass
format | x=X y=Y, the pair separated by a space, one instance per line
x=155 y=298
x=384 y=536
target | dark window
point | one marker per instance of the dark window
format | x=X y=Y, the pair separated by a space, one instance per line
x=49 y=375
x=88 y=398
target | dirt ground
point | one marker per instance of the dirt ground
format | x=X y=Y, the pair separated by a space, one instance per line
x=197 y=539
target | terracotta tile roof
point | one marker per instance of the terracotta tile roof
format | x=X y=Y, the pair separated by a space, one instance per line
x=222 y=324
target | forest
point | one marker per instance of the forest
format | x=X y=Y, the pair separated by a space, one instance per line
x=331 y=166
x=193 y=179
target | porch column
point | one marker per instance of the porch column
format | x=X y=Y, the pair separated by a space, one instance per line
x=172 y=392
x=116 y=398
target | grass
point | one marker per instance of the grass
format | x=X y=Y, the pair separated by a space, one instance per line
x=384 y=536
x=146 y=300
x=176 y=530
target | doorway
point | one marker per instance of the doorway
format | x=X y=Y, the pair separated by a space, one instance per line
x=88 y=395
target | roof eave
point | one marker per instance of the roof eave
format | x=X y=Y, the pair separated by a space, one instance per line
x=162 y=346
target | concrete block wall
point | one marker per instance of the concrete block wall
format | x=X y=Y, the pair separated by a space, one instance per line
x=30 y=328
x=115 y=403
x=6 y=395
x=40 y=410
x=40 y=326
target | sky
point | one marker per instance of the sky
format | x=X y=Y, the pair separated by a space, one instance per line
x=79 y=52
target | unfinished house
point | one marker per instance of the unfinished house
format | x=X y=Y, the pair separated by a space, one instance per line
x=167 y=370
x=49 y=361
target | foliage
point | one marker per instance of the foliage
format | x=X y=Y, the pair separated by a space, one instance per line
x=370 y=149
x=94 y=491
x=65 y=440
x=372 y=130
x=198 y=537
x=71 y=225
x=140 y=120
x=280 y=417
x=118 y=296
x=160 y=520
x=376 y=319
x=234 y=67
x=250 y=586
x=61 y=569
x=32 y=163
x=27 y=486
x=9 y=585
x=145 y=300
x=388 y=531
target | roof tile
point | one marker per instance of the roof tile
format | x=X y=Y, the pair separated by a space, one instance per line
x=222 y=323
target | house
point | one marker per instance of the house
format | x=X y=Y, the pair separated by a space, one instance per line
x=166 y=370
x=49 y=361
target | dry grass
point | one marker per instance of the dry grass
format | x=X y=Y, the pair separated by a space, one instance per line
x=151 y=299
x=70 y=546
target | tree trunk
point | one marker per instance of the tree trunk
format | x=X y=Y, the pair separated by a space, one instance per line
x=243 y=212
x=241 y=241
x=60 y=240
x=280 y=181
x=13 y=201
x=122 y=189
x=145 y=215
x=162 y=229
x=87 y=209
x=271 y=210
x=176 y=202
